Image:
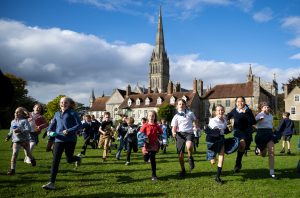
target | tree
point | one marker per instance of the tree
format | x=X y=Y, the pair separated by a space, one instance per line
x=166 y=112
x=52 y=107
x=20 y=98
x=292 y=83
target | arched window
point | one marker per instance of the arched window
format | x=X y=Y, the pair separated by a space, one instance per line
x=129 y=102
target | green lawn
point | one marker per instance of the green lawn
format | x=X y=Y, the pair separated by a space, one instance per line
x=114 y=179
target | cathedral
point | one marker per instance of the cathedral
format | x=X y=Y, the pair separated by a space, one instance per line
x=138 y=101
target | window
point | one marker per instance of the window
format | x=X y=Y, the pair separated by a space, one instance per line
x=172 y=100
x=227 y=103
x=293 y=110
x=145 y=113
x=138 y=102
x=129 y=102
x=184 y=98
x=139 y=113
x=147 y=101
x=159 y=100
x=297 y=98
x=219 y=102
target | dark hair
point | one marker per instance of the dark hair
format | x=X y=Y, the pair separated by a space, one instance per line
x=286 y=114
x=240 y=97
x=144 y=119
x=262 y=104
x=106 y=113
x=155 y=114
x=180 y=99
x=41 y=106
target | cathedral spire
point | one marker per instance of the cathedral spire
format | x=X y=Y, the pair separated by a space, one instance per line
x=160 y=43
x=250 y=74
x=92 y=98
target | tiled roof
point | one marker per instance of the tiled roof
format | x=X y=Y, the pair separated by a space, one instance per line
x=153 y=99
x=230 y=91
x=100 y=104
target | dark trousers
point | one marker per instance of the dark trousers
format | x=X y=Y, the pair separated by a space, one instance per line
x=58 y=149
x=87 y=141
x=131 y=146
x=151 y=155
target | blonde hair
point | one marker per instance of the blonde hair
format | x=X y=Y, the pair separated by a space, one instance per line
x=23 y=111
x=70 y=100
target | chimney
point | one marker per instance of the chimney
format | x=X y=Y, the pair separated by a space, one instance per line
x=128 y=90
x=200 y=87
x=285 y=90
x=170 y=87
x=177 y=87
x=195 y=86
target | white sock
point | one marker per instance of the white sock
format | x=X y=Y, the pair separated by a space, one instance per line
x=272 y=172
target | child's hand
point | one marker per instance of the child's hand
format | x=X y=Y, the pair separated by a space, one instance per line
x=65 y=132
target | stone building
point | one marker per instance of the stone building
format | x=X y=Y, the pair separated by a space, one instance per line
x=292 y=102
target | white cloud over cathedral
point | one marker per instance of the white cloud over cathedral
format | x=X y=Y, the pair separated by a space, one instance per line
x=56 y=61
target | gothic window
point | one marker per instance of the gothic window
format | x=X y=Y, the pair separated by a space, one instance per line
x=129 y=102
x=147 y=101
x=293 y=110
x=297 y=98
x=184 y=98
x=172 y=100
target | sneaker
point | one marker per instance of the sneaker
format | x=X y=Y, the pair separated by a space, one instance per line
x=11 y=172
x=289 y=152
x=49 y=186
x=273 y=176
x=191 y=163
x=27 y=160
x=282 y=151
x=33 y=162
x=182 y=174
x=127 y=163
x=78 y=162
x=154 y=178
x=219 y=180
x=237 y=168
x=256 y=151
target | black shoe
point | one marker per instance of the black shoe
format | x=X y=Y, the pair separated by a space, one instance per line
x=11 y=172
x=219 y=180
x=182 y=174
x=289 y=152
x=191 y=163
x=33 y=162
x=282 y=151
x=237 y=168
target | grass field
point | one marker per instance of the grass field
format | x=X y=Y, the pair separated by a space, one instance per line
x=114 y=179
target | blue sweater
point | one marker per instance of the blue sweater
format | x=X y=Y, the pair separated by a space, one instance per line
x=286 y=126
x=68 y=120
x=242 y=121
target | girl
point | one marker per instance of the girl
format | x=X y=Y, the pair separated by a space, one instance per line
x=242 y=129
x=37 y=123
x=19 y=132
x=64 y=126
x=287 y=128
x=151 y=129
x=215 y=143
x=182 y=130
x=264 y=138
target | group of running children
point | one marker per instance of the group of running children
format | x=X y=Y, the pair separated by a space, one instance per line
x=150 y=135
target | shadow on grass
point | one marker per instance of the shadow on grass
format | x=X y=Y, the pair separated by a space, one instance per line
x=113 y=194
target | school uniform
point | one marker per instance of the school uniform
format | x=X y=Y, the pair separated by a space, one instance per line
x=286 y=128
x=264 y=132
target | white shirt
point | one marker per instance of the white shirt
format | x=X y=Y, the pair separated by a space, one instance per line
x=216 y=123
x=184 y=122
x=266 y=123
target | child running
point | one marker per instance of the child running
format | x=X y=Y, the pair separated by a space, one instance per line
x=151 y=129
x=215 y=143
x=64 y=127
x=182 y=129
x=131 y=138
x=105 y=135
x=287 y=128
x=19 y=132
x=242 y=128
x=264 y=138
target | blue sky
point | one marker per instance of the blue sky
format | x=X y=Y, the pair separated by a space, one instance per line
x=73 y=46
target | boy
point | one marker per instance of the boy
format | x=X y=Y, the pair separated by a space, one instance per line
x=287 y=128
x=105 y=132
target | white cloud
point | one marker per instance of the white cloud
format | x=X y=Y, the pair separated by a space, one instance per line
x=264 y=15
x=296 y=56
x=55 y=61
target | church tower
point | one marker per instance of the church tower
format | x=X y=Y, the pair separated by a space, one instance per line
x=159 y=63
x=92 y=98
